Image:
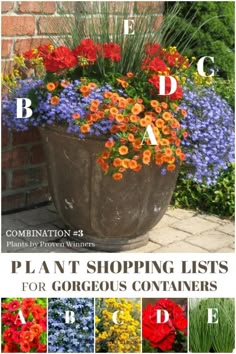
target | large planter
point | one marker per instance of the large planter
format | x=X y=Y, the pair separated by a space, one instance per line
x=115 y=215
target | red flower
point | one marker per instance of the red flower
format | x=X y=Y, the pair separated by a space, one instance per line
x=27 y=336
x=111 y=51
x=25 y=347
x=7 y=334
x=7 y=318
x=10 y=348
x=26 y=326
x=14 y=305
x=60 y=58
x=153 y=49
x=38 y=312
x=155 y=81
x=31 y=54
x=163 y=335
x=87 y=49
x=156 y=64
x=16 y=337
x=42 y=348
x=43 y=323
x=28 y=302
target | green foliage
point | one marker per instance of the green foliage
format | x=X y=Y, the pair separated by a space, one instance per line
x=205 y=28
x=207 y=337
x=216 y=199
x=226 y=89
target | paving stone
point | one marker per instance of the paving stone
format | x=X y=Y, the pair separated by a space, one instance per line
x=167 y=235
x=180 y=214
x=211 y=240
x=213 y=218
x=181 y=247
x=165 y=221
x=226 y=250
x=36 y=216
x=10 y=222
x=194 y=226
x=228 y=228
x=150 y=247
x=52 y=208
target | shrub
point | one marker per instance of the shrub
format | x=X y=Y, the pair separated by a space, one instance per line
x=206 y=28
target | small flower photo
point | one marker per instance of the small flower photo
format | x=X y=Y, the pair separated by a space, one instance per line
x=212 y=325
x=71 y=325
x=164 y=325
x=118 y=325
x=24 y=325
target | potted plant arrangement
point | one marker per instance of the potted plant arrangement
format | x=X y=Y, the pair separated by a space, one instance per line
x=113 y=138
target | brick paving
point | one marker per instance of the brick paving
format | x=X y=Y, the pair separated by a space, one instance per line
x=179 y=231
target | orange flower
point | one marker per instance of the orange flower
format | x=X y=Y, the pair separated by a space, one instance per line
x=171 y=167
x=131 y=137
x=166 y=116
x=105 y=154
x=117 y=176
x=123 y=150
x=100 y=114
x=51 y=86
x=154 y=103
x=177 y=142
x=137 y=144
x=105 y=166
x=171 y=159
x=133 y=164
x=178 y=151
x=164 y=142
x=147 y=153
x=159 y=123
x=133 y=118
x=158 y=109
x=168 y=152
x=107 y=94
x=143 y=122
x=165 y=130
x=65 y=83
x=146 y=160
x=109 y=144
x=129 y=74
x=164 y=105
x=125 y=163
x=123 y=128
x=100 y=160
x=139 y=100
x=76 y=116
x=54 y=100
x=148 y=118
x=92 y=85
x=183 y=112
x=85 y=128
x=36 y=330
x=136 y=109
x=123 y=83
x=93 y=108
x=182 y=157
x=119 y=118
x=84 y=90
x=114 y=111
x=185 y=134
x=138 y=168
x=117 y=162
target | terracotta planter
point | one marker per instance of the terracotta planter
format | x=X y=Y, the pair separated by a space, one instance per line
x=115 y=215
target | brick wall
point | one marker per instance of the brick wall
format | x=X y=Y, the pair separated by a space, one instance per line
x=24 y=176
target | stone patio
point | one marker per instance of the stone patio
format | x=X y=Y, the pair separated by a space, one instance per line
x=179 y=231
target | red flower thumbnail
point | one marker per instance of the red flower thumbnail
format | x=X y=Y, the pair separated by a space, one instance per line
x=87 y=49
x=111 y=51
x=60 y=58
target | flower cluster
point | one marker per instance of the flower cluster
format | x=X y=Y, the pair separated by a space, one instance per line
x=76 y=336
x=210 y=125
x=121 y=334
x=24 y=334
x=168 y=333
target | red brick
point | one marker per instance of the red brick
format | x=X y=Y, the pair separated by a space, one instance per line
x=20 y=138
x=6 y=48
x=18 y=25
x=158 y=22
x=15 y=158
x=154 y=6
x=7 y=6
x=18 y=179
x=54 y=25
x=7 y=66
x=37 y=7
x=13 y=202
x=4 y=180
x=37 y=154
x=5 y=134
x=38 y=196
x=22 y=45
